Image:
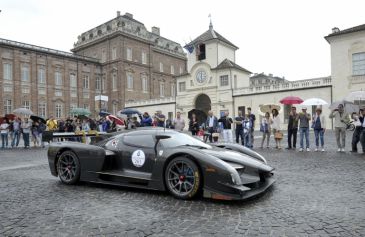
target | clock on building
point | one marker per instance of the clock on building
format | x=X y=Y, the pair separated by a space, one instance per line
x=201 y=76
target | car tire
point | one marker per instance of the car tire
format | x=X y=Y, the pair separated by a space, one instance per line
x=68 y=167
x=183 y=178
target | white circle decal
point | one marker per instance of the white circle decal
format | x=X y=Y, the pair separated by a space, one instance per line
x=138 y=158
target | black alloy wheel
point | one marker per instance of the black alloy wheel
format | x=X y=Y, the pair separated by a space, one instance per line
x=68 y=167
x=183 y=178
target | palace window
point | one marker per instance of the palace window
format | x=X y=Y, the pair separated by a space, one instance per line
x=26 y=104
x=129 y=54
x=98 y=83
x=85 y=82
x=172 y=90
x=114 y=82
x=58 y=93
x=181 y=70
x=103 y=55
x=144 y=83
x=182 y=86
x=162 y=89
x=58 y=78
x=59 y=110
x=25 y=72
x=358 y=64
x=129 y=81
x=8 y=108
x=172 y=69
x=144 y=57
x=73 y=81
x=41 y=75
x=42 y=109
x=161 y=67
x=8 y=71
x=200 y=53
x=224 y=80
x=114 y=53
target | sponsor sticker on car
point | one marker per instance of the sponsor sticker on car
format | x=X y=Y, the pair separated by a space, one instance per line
x=138 y=158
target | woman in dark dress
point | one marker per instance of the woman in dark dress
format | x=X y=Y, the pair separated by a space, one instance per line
x=193 y=125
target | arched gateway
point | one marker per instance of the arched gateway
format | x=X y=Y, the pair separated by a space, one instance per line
x=202 y=106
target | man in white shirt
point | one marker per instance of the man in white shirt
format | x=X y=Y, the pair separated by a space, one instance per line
x=4 y=130
x=26 y=126
x=178 y=122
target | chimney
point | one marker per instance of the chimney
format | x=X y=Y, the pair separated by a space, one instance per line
x=118 y=13
x=270 y=75
x=156 y=30
x=127 y=14
x=335 y=30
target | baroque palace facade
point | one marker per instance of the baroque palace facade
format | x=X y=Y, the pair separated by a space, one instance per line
x=120 y=64
x=119 y=61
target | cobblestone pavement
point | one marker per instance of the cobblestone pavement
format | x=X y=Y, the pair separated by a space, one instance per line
x=316 y=194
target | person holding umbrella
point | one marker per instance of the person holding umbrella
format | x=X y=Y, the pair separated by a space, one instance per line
x=341 y=119
x=275 y=125
x=293 y=128
x=362 y=137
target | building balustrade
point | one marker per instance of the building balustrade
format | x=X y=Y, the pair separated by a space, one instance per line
x=289 y=85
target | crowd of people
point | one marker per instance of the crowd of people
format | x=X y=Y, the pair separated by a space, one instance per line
x=212 y=128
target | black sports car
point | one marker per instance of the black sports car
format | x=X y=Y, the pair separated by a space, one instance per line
x=161 y=159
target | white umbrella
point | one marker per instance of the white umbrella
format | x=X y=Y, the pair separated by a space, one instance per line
x=23 y=111
x=348 y=106
x=314 y=101
x=356 y=96
x=269 y=107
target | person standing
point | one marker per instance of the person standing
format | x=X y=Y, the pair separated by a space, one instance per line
x=4 y=131
x=211 y=124
x=319 y=126
x=178 y=122
x=275 y=125
x=16 y=132
x=304 y=119
x=252 y=119
x=26 y=126
x=239 y=128
x=193 y=125
x=362 y=137
x=247 y=131
x=357 y=132
x=265 y=128
x=341 y=119
x=227 y=132
x=146 y=120
x=292 y=128
x=160 y=119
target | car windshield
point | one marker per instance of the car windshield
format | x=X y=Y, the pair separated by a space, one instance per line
x=181 y=139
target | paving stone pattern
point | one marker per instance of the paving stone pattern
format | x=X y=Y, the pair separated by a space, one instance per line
x=316 y=194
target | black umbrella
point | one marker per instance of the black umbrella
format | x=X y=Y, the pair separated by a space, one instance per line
x=82 y=117
x=129 y=111
x=38 y=119
x=104 y=113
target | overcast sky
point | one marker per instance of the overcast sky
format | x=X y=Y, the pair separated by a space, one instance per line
x=282 y=37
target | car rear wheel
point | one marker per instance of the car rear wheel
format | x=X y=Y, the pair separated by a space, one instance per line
x=183 y=178
x=68 y=167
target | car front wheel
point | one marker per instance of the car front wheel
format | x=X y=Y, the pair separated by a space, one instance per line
x=183 y=178
x=68 y=167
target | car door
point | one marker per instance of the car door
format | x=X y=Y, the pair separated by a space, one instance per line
x=138 y=153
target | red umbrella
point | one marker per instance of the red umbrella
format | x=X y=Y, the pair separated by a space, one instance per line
x=290 y=100
x=10 y=116
x=118 y=121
